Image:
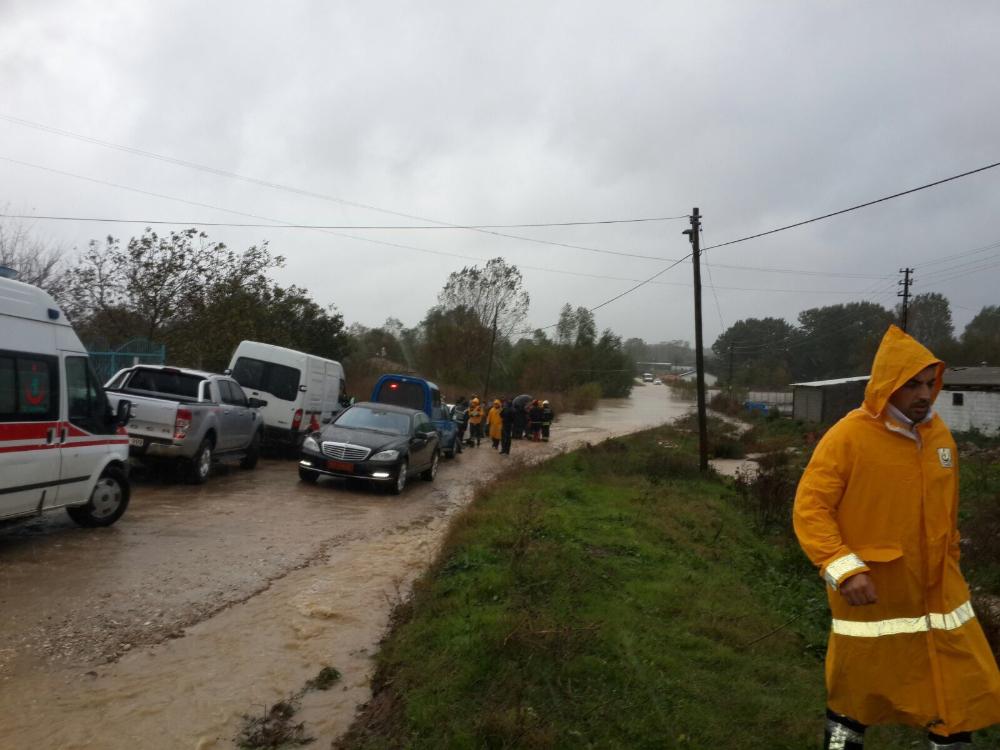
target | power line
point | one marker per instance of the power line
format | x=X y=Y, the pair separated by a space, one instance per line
x=291 y=189
x=617 y=296
x=796 y=271
x=855 y=208
x=104 y=220
x=199 y=204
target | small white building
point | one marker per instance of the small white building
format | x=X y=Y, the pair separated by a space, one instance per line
x=970 y=399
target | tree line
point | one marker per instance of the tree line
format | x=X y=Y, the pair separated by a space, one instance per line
x=200 y=298
x=840 y=341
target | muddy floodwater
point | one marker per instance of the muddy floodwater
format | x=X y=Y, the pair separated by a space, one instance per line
x=207 y=603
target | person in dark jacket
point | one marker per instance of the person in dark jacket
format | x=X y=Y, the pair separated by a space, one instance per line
x=460 y=415
x=535 y=421
x=508 y=420
x=520 y=420
x=547 y=416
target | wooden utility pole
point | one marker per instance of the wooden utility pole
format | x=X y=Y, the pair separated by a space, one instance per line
x=905 y=294
x=730 y=370
x=699 y=353
x=489 y=362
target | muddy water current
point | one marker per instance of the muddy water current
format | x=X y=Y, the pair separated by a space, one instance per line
x=207 y=603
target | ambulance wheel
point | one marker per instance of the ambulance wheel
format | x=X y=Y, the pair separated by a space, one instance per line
x=107 y=502
x=200 y=465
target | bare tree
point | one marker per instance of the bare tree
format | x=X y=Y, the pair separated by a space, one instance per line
x=494 y=292
x=35 y=261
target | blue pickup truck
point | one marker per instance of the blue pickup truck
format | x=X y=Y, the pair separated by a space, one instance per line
x=419 y=393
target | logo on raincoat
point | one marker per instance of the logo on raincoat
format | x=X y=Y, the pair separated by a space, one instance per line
x=944 y=456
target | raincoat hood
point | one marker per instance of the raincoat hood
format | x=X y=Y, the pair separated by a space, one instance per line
x=899 y=358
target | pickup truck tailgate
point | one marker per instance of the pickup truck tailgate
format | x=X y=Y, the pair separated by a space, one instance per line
x=151 y=417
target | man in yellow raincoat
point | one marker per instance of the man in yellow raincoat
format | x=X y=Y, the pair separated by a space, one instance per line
x=876 y=511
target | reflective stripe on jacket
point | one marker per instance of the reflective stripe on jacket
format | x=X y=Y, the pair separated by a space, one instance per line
x=881 y=498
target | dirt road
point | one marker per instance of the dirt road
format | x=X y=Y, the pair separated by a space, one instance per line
x=206 y=603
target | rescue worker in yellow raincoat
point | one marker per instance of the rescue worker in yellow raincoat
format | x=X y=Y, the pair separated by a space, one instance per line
x=495 y=423
x=876 y=511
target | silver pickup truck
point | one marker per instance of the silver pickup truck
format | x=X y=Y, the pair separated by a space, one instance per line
x=188 y=416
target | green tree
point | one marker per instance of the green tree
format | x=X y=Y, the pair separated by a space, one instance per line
x=981 y=338
x=451 y=342
x=586 y=327
x=839 y=340
x=759 y=350
x=929 y=322
x=200 y=298
x=566 y=327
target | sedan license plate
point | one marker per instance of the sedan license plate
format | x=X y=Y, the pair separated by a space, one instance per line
x=136 y=442
x=340 y=466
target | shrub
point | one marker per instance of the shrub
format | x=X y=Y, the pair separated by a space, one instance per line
x=581 y=398
x=768 y=493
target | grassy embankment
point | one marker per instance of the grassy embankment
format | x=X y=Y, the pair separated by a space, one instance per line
x=611 y=598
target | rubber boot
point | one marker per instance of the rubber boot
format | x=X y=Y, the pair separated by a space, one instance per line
x=843 y=733
x=960 y=741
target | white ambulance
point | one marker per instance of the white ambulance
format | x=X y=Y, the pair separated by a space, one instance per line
x=60 y=444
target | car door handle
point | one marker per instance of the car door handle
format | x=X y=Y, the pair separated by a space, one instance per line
x=50 y=436
x=63 y=433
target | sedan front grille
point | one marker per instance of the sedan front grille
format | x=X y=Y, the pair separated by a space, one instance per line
x=345 y=451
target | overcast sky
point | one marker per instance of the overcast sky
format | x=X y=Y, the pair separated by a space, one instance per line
x=760 y=114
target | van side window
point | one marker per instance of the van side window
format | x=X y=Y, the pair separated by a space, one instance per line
x=29 y=388
x=88 y=407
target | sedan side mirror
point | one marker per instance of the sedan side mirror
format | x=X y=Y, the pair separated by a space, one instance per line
x=123 y=412
x=256 y=403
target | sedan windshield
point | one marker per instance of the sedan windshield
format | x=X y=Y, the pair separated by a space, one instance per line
x=366 y=418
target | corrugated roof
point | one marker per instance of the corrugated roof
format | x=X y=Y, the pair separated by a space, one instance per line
x=972 y=376
x=835 y=381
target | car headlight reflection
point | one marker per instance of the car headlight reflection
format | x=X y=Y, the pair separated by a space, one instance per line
x=389 y=455
x=310 y=444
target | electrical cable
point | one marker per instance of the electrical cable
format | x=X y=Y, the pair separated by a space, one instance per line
x=288 y=188
x=310 y=226
x=858 y=206
x=280 y=222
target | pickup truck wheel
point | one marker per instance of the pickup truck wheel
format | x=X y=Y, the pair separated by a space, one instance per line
x=307 y=475
x=400 y=482
x=201 y=463
x=107 y=502
x=432 y=470
x=249 y=461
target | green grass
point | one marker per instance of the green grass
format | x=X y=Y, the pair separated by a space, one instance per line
x=611 y=598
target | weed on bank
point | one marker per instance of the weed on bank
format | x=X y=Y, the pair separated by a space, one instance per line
x=610 y=598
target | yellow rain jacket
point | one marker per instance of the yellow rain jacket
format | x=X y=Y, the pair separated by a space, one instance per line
x=494 y=421
x=878 y=498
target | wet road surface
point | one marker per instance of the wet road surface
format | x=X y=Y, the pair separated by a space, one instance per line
x=206 y=603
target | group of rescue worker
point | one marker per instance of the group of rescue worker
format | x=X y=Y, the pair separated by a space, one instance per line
x=506 y=420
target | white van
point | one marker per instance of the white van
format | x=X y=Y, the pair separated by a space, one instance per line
x=60 y=445
x=302 y=391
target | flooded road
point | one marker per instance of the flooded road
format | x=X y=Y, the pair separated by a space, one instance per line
x=206 y=603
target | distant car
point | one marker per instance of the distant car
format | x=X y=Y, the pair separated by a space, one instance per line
x=657 y=382
x=379 y=443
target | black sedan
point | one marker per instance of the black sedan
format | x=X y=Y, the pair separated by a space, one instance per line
x=379 y=443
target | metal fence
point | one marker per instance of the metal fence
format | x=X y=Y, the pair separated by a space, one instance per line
x=134 y=352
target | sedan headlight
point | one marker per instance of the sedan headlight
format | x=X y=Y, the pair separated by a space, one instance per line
x=389 y=455
x=310 y=444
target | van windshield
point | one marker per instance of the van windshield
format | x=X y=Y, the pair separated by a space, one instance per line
x=402 y=393
x=366 y=418
x=280 y=381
